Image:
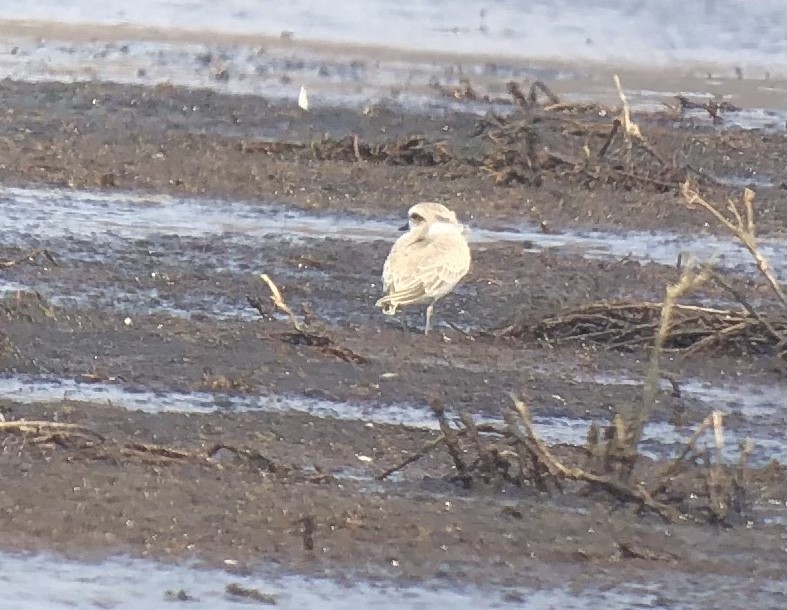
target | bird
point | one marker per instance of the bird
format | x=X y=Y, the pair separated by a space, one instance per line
x=427 y=262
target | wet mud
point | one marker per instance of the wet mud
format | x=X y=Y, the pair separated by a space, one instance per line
x=171 y=140
x=252 y=441
x=175 y=486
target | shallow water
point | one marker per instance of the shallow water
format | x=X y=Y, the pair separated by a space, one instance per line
x=660 y=439
x=760 y=401
x=34 y=582
x=278 y=74
x=51 y=213
x=754 y=412
x=661 y=32
x=545 y=40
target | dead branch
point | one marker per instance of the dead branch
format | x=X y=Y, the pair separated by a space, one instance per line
x=94 y=446
x=630 y=128
x=628 y=325
x=463 y=92
x=741 y=225
x=516 y=92
x=541 y=86
x=689 y=281
x=49 y=431
x=518 y=444
x=30 y=257
x=451 y=438
x=636 y=493
x=159 y=451
x=741 y=298
x=679 y=463
x=436 y=442
x=713 y=108
x=531 y=463
x=425 y=450
x=235 y=590
x=305 y=333
x=611 y=136
x=278 y=301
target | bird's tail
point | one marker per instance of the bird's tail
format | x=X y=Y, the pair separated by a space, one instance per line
x=387 y=305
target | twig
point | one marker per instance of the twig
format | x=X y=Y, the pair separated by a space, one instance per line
x=576 y=107
x=634 y=492
x=450 y=437
x=524 y=443
x=357 y=148
x=278 y=301
x=309 y=526
x=427 y=448
x=611 y=136
x=713 y=108
x=29 y=257
x=305 y=333
x=721 y=281
x=630 y=128
x=540 y=85
x=674 y=467
x=716 y=337
x=239 y=591
x=688 y=282
x=160 y=451
x=460 y=330
x=516 y=92
x=744 y=230
x=39 y=428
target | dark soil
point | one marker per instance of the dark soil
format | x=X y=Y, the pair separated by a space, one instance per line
x=200 y=142
x=124 y=495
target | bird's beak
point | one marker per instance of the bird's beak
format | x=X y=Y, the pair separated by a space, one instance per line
x=405 y=227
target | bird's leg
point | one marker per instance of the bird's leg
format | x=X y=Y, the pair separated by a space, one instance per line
x=429 y=311
x=403 y=319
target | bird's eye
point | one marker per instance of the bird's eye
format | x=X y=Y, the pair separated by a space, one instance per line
x=416 y=217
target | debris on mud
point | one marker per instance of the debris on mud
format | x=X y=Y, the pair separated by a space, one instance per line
x=464 y=92
x=340 y=158
x=585 y=146
x=84 y=443
x=612 y=454
x=234 y=590
x=694 y=485
x=226 y=383
x=676 y=327
x=229 y=483
x=413 y=150
x=634 y=325
x=50 y=432
x=307 y=332
x=26 y=305
x=713 y=108
x=179 y=596
x=30 y=257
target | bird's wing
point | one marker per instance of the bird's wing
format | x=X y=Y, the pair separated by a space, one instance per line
x=390 y=265
x=426 y=267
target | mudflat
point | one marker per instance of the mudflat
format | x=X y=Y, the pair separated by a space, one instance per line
x=170 y=314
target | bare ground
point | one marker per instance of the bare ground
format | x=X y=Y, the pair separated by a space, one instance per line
x=123 y=494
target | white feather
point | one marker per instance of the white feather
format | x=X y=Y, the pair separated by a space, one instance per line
x=303 y=99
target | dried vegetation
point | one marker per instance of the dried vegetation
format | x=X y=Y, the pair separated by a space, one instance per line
x=698 y=483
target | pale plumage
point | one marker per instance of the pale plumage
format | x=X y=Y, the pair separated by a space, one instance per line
x=427 y=262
